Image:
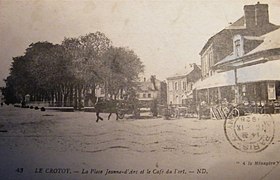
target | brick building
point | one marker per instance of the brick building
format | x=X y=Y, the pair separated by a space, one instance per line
x=254 y=22
x=247 y=70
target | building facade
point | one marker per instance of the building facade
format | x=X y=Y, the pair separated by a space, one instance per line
x=151 y=90
x=246 y=71
x=254 y=23
x=180 y=85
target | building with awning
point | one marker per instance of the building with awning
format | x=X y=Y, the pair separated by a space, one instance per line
x=244 y=68
x=268 y=71
x=251 y=78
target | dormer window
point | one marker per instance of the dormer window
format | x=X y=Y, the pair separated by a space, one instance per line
x=237 y=45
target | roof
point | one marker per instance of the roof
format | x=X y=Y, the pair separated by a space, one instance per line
x=237 y=25
x=268 y=71
x=271 y=41
x=182 y=72
x=148 y=85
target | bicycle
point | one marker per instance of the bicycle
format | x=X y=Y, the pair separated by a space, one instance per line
x=233 y=113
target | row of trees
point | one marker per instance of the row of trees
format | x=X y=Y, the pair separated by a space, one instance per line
x=71 y=71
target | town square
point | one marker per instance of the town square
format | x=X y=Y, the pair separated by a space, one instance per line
x=139 y=89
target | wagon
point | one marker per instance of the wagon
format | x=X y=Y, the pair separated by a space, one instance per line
x=120 y=107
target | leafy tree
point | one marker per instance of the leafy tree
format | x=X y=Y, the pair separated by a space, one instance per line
x=122 y=67
x=85 y=53
x=67 y=72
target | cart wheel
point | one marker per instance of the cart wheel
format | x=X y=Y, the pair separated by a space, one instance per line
x=233 y=113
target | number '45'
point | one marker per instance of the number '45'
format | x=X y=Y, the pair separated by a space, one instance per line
x=19 y=170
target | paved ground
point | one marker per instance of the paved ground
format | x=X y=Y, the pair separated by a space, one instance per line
x=71 y=145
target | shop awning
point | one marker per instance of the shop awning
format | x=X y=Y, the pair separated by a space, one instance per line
x=269 y=71
x=217 y=80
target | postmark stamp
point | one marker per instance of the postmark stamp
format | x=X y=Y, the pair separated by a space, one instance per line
x=251 y=134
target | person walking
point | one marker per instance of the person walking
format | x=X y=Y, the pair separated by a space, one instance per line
x=98 y=108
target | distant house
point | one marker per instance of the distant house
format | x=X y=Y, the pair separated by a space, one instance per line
x=150 y=90
x=180 y=85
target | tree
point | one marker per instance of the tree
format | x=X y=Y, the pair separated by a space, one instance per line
x=85 y=53
x=122 y=67
x=67 y=72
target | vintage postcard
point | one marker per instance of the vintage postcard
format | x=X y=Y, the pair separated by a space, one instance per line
x=139 y=89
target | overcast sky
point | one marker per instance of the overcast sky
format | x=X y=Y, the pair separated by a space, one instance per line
x=165 y=34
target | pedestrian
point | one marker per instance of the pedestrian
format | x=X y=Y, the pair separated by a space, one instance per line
x=23 y=103
x=98 y=107
x=2 y=104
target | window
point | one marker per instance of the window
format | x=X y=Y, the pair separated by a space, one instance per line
x=211 y=60
x=206 y=65
x=243 y=90
x=149 y=96
x=170 y=86
x=176 y=86
x=191 y=86
x=237 y=47
x=177 y=100
x=144 y=95
x=184 y=85
x=271 y=91
x=170 y=98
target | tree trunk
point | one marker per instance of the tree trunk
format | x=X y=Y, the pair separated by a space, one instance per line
x=76 y=98
x=71 y=95
x=79 y=98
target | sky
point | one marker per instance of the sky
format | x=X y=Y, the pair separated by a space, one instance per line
x=167 y=35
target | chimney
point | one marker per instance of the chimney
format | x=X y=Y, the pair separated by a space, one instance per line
x=256 y=15
x=249 y=14
x=261 y=13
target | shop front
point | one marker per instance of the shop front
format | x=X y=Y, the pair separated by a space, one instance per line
x=255 y=88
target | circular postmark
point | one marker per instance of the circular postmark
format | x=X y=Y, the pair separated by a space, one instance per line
x=251 y=133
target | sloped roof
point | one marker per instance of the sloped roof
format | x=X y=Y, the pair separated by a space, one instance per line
x=148 y=85
x=271 y=41
x=237 y=25
x=183 y=71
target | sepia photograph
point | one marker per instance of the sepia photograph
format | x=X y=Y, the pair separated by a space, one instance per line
x=139 y=89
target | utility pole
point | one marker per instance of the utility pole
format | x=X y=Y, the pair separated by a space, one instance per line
x=236 y=88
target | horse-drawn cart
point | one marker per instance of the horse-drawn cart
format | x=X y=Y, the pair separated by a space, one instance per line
x=120 y=107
